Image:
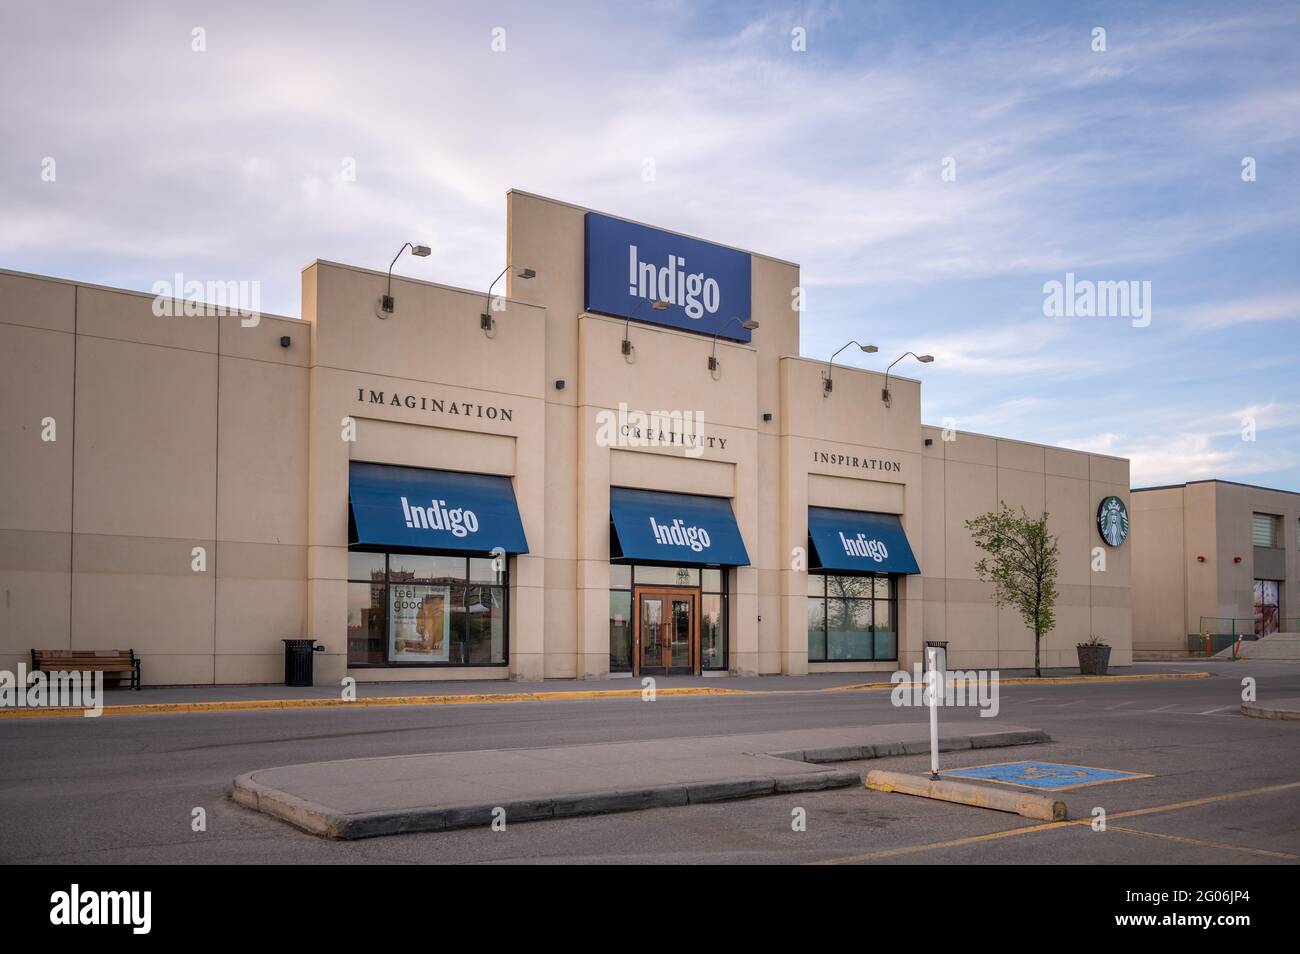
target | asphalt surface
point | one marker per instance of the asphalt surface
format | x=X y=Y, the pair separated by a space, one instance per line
x=124 y=789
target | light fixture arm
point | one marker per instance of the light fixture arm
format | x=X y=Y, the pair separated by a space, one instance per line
x=885 y=395
x=487 y=301
x=627 y=325
x=713 y=358
x=405 y=246
x=657 y=304
x=826 y=389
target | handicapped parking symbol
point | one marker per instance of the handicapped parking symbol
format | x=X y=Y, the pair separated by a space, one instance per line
x=1036 y=771
x=1042 y=775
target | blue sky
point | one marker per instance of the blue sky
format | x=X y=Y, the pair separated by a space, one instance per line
x=1122 y=165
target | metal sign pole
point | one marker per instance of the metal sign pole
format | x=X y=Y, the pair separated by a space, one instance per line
x=933 y=676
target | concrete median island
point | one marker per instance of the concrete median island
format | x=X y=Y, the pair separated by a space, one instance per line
x=365 y=798
x=1283 y=709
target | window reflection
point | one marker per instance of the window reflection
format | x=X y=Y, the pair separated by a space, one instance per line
x=426 y=610
x=851 y=618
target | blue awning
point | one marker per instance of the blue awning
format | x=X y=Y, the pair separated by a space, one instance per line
x=680 y=529
x=858 y=541
x=410 y=508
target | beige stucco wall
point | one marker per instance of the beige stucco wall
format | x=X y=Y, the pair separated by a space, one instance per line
x=170 y=434
x=1156 y=528
x=969 y=474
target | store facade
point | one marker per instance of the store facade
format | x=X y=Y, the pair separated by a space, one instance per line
x=1216 y=558
x=625 y=468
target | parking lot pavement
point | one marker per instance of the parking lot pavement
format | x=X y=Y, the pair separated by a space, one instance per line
x=123 y=790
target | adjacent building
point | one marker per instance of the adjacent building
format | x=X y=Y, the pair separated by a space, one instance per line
x=620 y=466
x=1213 y=557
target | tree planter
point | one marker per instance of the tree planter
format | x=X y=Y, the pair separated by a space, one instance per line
x=1094 y=660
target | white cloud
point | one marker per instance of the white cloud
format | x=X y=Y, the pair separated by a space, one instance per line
x=1178 y=446
x=1279 y=306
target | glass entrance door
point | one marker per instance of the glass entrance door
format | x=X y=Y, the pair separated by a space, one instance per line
x=667 y=631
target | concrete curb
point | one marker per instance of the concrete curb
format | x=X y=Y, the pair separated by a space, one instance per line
x=371 y=702
x=881 y=750
x=1257 y=711
x=1020 y=803
x=328 y=823
x=1032 y=681
x=489 y=698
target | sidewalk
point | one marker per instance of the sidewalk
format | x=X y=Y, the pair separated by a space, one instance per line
x=364 y=798
x=165 y=700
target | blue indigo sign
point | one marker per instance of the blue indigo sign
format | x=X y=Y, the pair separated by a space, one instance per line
x=631 y=266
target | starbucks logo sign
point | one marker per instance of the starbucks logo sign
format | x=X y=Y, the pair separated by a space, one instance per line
x=1112 y=521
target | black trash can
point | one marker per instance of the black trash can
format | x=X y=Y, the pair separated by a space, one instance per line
x=298 y=661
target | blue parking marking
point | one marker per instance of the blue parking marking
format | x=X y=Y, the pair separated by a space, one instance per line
x=1044 y=775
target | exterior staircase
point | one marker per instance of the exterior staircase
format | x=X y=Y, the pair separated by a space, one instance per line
x=1279 y=646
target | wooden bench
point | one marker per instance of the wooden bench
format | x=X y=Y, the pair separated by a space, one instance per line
x=117 y=662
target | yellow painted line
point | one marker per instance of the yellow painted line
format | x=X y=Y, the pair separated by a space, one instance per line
x=1206 y=844
x=488 y=698
x=1031 y=681
x=367 y=702
x=1052 y=826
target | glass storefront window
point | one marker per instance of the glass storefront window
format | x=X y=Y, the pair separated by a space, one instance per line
x=848 y=629
x=485 y=625
x=713 y=632
x=366 y=606
x=667 y=575
x=481 y=570
x=403 y=567
x=816 y=629
x=620 y=631
x=620 y=576
x=851 y=618
x=1267 y=606
x=886 y=636
x=711 y=580
x=427 y=610
x=849 y=587
x=367 y=566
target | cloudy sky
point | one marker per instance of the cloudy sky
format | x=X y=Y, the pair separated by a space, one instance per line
x=930 y=166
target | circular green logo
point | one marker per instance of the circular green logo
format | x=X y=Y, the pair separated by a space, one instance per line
x=1112 y=521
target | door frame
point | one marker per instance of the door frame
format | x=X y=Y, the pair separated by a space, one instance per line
x=668 y=593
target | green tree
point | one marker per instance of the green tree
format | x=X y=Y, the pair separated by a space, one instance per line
x=1021 y=561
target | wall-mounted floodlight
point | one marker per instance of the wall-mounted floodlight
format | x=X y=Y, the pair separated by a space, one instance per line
x=386 y=303
x=749 y=325
x=826 y=381
x=657 y=305
x=485 y=320
x=923 y=358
